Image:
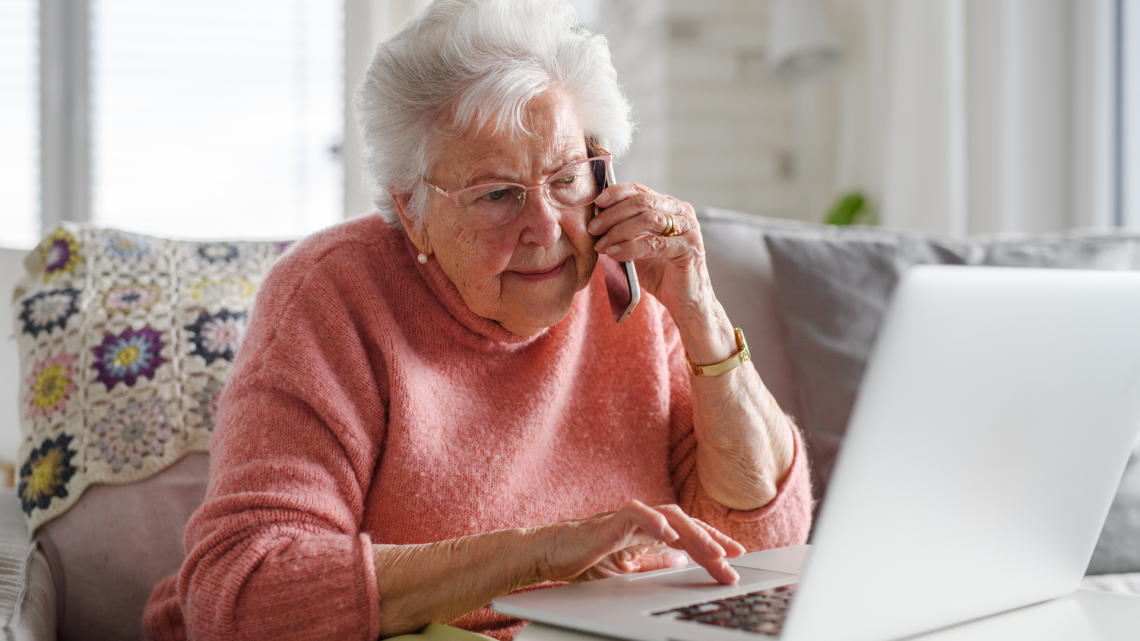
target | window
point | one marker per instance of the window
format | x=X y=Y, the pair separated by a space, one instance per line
x=1128 y=118
x=19 y=124
x=203 y=119
x=216 y=118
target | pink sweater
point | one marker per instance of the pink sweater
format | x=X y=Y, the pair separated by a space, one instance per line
x=369 y=405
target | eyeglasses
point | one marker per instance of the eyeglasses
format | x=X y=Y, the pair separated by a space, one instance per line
x=493 y=204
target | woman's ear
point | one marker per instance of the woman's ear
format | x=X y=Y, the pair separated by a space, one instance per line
x=416 y=231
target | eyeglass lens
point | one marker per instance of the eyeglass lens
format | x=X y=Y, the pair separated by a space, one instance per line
x=496 y=204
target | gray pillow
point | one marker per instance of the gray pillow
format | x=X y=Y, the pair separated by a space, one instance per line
x=833 y=286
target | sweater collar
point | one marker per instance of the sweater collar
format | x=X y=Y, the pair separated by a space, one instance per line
x=449 y=296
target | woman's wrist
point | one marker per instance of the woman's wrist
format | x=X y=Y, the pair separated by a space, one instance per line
x=440 y=582
x=707 y=334
x=534 y=550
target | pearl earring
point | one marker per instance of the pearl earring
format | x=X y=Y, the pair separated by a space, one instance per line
x=422 y=258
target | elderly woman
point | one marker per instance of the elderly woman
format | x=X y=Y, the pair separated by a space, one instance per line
x=434 y=406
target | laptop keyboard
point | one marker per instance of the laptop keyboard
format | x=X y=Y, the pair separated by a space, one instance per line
x=762 y=612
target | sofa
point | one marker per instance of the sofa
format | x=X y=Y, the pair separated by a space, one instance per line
x=808 y=297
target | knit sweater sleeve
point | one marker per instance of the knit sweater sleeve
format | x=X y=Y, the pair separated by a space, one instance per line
x=785 y=520
x=276 y=550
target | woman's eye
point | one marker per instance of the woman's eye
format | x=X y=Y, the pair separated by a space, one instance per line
x=567 y=179
x=495 y=195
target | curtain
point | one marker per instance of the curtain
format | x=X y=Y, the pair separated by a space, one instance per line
x=967 y=116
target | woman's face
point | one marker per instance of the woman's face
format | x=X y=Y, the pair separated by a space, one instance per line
x=523 y=274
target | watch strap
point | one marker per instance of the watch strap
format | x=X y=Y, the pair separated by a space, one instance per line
x=741 y=357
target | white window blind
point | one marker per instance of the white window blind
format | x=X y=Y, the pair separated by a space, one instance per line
x=19 y=124
x=217 y=119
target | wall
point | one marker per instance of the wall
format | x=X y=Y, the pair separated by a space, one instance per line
x=733 y=123
x=715 y=127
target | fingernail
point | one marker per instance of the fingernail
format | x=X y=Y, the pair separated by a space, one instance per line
x=605 y=199
x=594 y=226
x=600 y=245
x=613 y=250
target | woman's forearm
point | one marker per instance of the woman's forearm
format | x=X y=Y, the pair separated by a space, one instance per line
x=440 y=582
x=745 y=444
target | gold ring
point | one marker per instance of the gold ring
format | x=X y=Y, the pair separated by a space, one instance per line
x=671 y=227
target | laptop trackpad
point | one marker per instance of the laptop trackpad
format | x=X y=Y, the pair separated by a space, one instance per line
x=698 y=577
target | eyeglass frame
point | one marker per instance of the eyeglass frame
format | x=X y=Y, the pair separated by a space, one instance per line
x=545 y=185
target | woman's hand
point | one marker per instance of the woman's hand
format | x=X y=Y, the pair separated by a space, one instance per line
x=440 y=582
x=672 y=268
x=636 y=538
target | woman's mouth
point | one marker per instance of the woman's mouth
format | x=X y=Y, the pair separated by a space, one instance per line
x=543 y=274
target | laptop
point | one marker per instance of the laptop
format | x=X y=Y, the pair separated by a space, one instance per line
x=991 y=430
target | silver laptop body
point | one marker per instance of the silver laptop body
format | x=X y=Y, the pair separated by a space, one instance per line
x=990 y=432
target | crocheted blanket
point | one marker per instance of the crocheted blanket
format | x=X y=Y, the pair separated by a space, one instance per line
x=125 y=344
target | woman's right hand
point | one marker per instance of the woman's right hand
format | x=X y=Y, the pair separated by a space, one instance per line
x=636 y=538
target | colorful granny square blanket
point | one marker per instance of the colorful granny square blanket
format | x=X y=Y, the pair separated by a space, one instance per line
x=125 y=344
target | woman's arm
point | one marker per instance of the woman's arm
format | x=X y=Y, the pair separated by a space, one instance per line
x=440 y=582
x=745 y=442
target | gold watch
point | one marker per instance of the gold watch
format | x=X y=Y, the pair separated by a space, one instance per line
x=727 y=365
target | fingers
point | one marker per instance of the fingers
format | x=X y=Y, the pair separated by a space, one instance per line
x=634 y=560
x=700 y=543
x=731 y=547
x=651 y=223
x=632 y=533
x=634 y=225
x=694 y=539
x=619 y=192
x=704 y=543
x=660 y=560
x=644 y=559
x=632 y=199
x=652 y=522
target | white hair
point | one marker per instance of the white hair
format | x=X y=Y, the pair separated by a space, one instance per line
x=477 y=62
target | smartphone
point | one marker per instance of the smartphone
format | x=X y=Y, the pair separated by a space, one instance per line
x=621 y=277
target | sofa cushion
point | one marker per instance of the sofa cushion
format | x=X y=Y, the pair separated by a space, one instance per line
x=833 y=286
x=102 y=582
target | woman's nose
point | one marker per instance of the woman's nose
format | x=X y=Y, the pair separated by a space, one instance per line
x=543 y=221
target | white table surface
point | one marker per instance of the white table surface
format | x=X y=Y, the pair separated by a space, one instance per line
x=1084 y=615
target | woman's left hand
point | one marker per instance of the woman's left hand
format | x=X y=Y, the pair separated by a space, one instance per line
x=631 y=226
